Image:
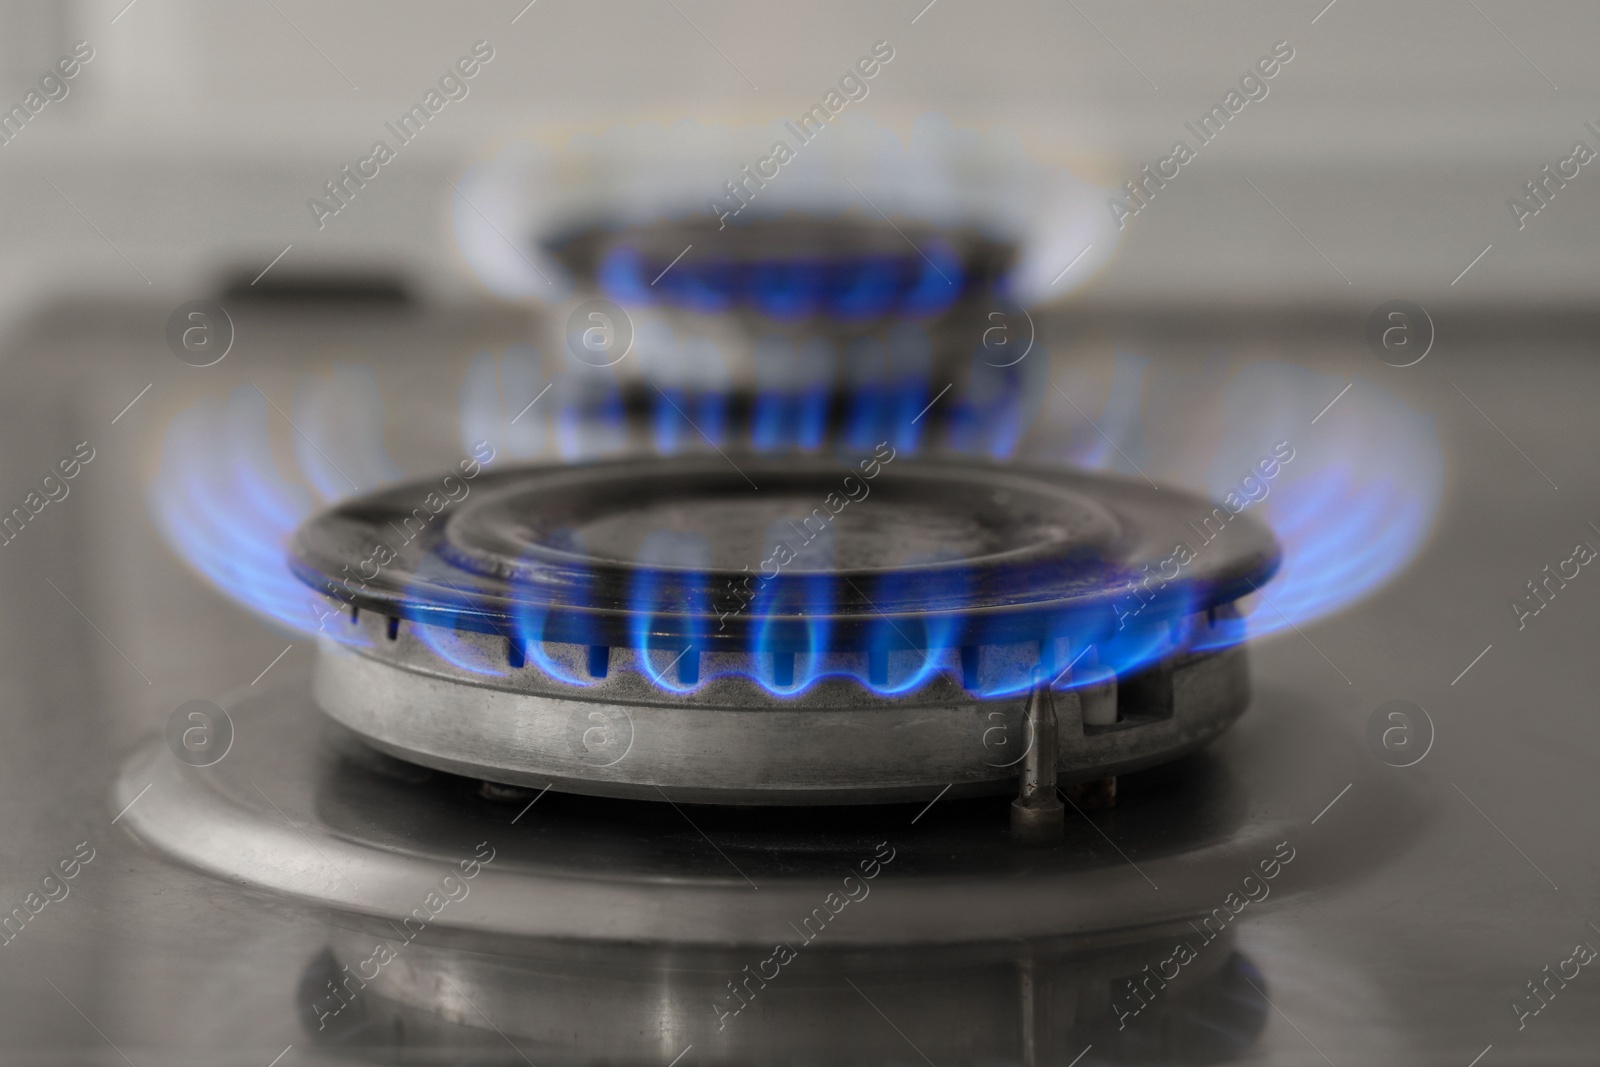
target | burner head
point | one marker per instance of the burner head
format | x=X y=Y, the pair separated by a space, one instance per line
x=787 y=269
x=766 y=554
x=709 y=589
x=770 y=301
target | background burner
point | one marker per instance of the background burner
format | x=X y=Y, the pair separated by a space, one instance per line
x=790 y=269
x=593 y=628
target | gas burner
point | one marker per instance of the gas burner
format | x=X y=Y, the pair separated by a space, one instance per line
x=782 y=630
x=791 y=268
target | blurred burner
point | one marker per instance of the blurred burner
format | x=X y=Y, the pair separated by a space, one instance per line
x=781 y=312
x=780 y=630
x=788 y=269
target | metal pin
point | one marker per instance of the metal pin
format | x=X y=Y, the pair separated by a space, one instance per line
x=1037 y=819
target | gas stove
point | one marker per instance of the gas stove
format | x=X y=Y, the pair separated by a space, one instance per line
x=741 y=742
x=379 y=902
x=775 y=689
x=766 y=537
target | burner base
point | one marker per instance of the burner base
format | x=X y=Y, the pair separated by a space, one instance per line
x=839 y=746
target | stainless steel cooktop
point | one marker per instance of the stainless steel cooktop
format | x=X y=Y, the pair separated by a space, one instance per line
x=1286 y=895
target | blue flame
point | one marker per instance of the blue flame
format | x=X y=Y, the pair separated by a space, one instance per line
x=531 y=621
x=1352 y=507
x=443 y=634
x=680 y=421
x=590 y=421
x=789 y=420
x=691 y=385
x=530 y=632
x=671 y=422
x=916 y=649
x=455 y=648
x=783 y=667
x=1128 y=649
x=708 y=288
x=787 y=290
x=1342 y=538
x=793 y=386
x=887 y=387
x=865 y=288
x=220 y=502
x=998 y=405
x=680 y=591
x=857 y=289
x=621 y=276
x=940 y=280
x=1117 y=443
x=1350 y=511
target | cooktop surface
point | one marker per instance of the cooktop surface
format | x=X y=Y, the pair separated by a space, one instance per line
x=1387 y=859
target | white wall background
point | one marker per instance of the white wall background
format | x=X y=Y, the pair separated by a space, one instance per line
x=1392 y=140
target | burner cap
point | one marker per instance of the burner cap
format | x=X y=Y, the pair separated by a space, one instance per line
x=724 y=553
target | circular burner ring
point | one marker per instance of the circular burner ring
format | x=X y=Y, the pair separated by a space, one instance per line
x=725 y=553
